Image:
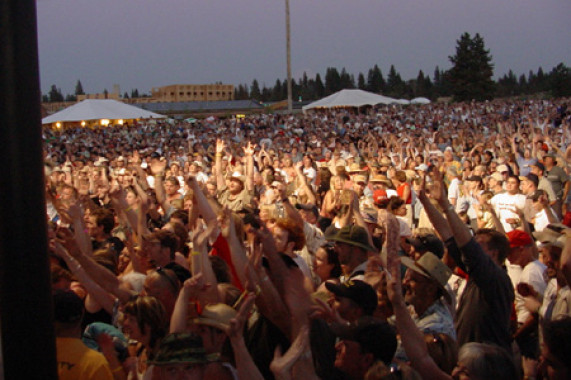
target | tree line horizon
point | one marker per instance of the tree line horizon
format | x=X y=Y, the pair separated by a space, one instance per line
x=469 y=78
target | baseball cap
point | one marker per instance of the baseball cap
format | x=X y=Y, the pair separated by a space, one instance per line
x=502 y=168
x=357 y=291
x=519 y=238
x=539 y=165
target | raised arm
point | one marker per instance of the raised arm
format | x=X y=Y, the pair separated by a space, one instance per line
x=220 y=181
x=249 y=151
x=411 y=337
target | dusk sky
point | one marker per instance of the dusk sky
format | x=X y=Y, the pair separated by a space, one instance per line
x=148 y=43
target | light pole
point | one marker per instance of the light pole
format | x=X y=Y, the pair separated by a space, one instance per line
x=288 y=53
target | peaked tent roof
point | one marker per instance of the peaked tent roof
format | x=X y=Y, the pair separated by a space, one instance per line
x=94 y=109
x=350 y=98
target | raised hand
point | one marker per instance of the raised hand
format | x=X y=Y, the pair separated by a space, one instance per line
x=158 y=166
x=220 y=146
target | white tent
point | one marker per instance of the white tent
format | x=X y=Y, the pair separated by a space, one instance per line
x=350 y=98
x=403 y=102
x=97 y=109
x=420 y=101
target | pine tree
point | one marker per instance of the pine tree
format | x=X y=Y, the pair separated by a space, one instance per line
x=361 y=82
x=472 y=71
x=55 y=94
x=560 y=78
x=319 y=87
x=255 y=90
x=332 y=81
x=79 y=88
x=375 y=80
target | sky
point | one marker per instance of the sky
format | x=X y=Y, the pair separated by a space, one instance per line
x=148 y=43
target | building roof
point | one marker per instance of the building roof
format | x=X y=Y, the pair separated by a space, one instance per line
x=200 y=106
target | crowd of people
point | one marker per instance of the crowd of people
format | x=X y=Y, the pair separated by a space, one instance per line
x=421 y=242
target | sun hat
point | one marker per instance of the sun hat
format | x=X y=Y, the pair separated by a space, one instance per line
x=216 y=315
x=430 y=266
x=353 y=235
x=181 y=348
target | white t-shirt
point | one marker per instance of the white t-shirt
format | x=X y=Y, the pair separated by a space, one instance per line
x=504 y=205
x=531 y=274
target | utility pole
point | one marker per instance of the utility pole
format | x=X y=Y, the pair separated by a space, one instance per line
x=288 y=50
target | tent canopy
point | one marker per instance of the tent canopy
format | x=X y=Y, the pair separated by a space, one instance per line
x=350 y=98
x=420 y=100
x=95 y=109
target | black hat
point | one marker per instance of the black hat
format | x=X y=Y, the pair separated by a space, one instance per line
x=357 y=291
x=427 y=243
x=308 y=207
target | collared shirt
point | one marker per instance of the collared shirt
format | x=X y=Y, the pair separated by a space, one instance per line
x=436 y=319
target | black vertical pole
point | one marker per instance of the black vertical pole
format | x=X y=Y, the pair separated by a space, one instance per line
x=28 y=343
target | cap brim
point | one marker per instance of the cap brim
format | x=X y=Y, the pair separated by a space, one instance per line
x=350 y=242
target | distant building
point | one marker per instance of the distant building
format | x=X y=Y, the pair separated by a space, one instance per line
x=193 y=92
x=115 y=95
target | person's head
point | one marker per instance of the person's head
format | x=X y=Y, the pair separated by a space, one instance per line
x=482 y=361
x=359 y=184
x=236 y=184
x=211 y=189
x=68 y=312
x=145 y=320
x=68 y=194
x=181 y=356
x=422 y=243
x=160 y=247
x=100 y=223
x=397 y=206
x=131 y=197
x=363 y=344
x=556 y=349
x=512 y=184
x=164 y=285
x=521 y=247
x=352 y=245
x=424 y=281
x=529 y=184
x=550 y=160
x=494 y=243
x=288 y=235
x=353 y=299
x=171 y=186
x=211 y=324
x=308 y=212
x=326 y=263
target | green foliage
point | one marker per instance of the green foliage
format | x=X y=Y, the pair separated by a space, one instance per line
x=79 y=88
x=560 y=81
x=472 y=70
x=255 y=91
x=55 y=94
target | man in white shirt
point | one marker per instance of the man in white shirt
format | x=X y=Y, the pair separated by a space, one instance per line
x=523 y=253
x=506 y=204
